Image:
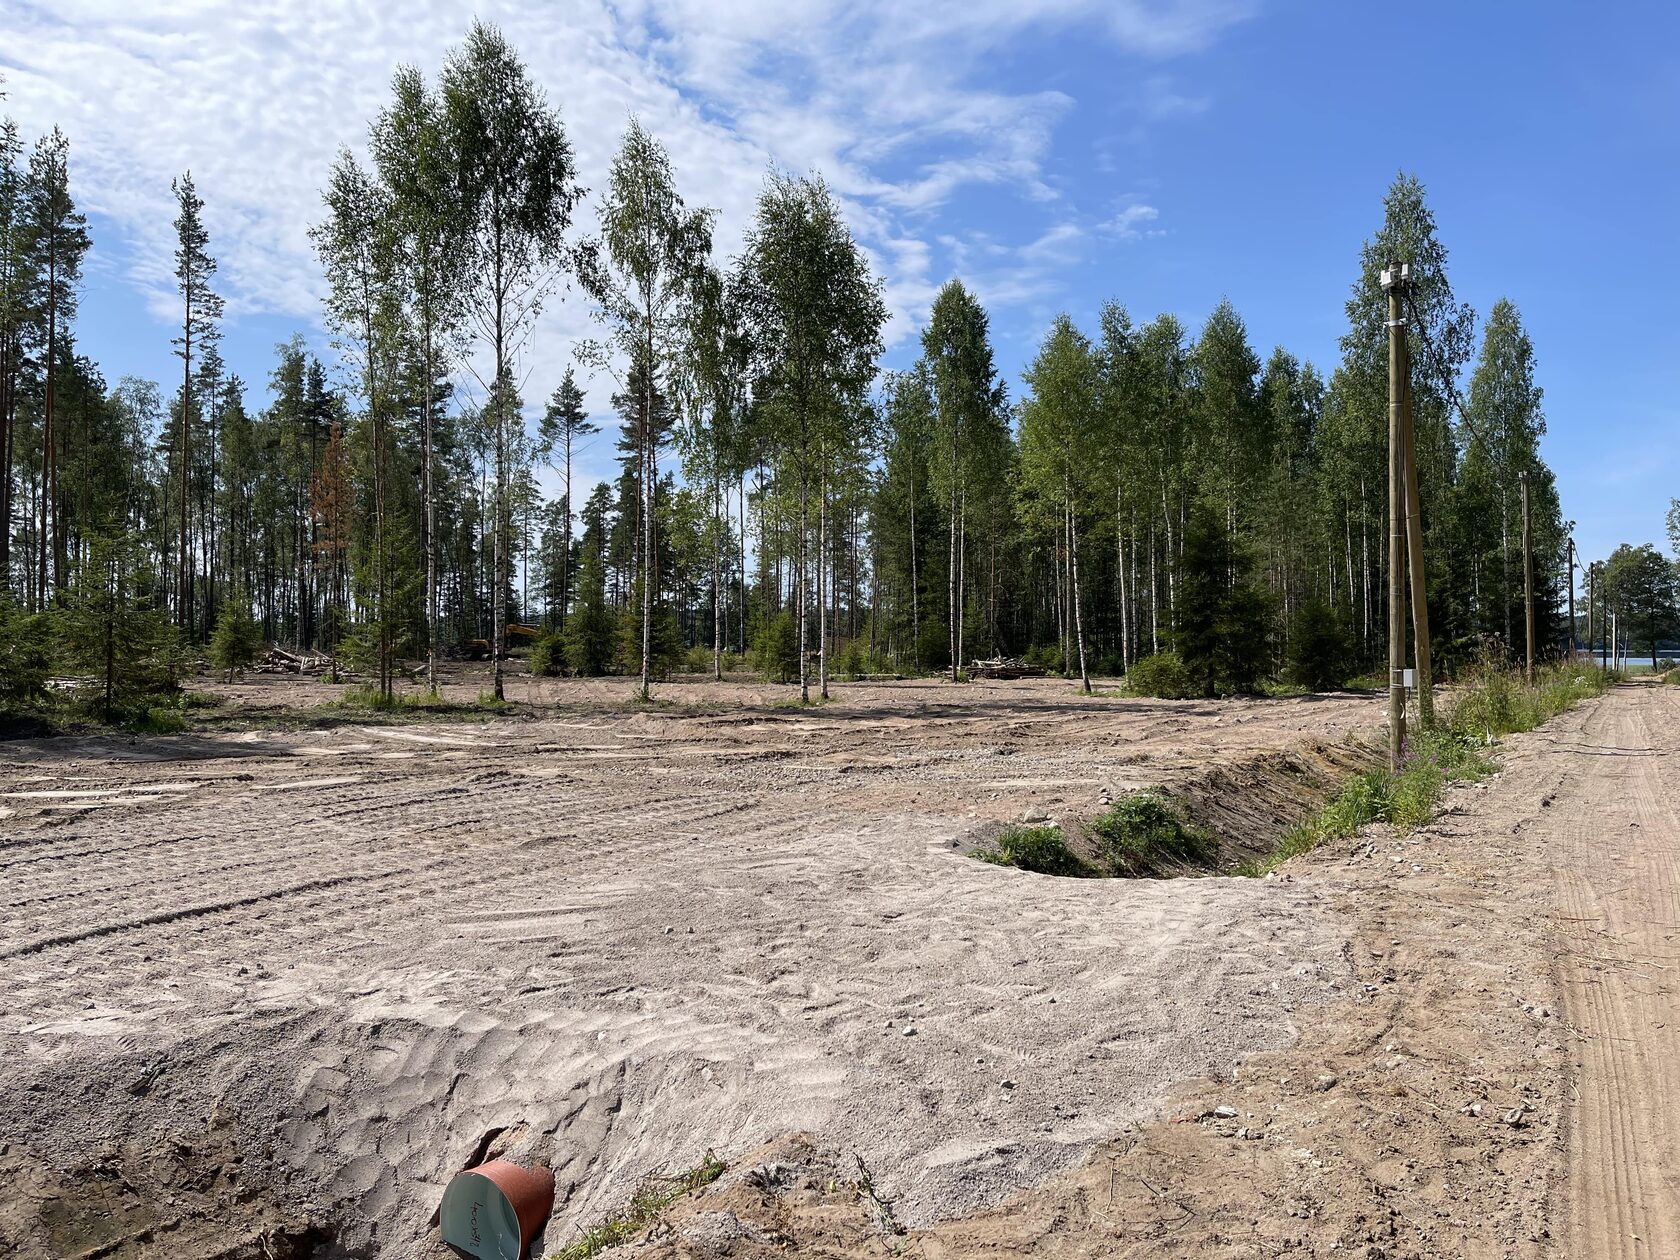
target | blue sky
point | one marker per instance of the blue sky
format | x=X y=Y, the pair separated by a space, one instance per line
x=1162 y=152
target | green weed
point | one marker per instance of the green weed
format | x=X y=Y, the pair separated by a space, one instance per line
x=1039 y=849
x=1493 y=702
x=1144 y=829
x=653 y=1196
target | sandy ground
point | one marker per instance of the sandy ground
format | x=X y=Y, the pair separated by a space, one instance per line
x=339 y=962
x=267 y=992
x=1499 y=1079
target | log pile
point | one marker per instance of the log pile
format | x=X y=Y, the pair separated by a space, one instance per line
x=277 y=660
x=1004 y=667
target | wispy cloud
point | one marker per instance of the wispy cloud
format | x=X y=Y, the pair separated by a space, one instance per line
x=894 y=103
x=1134 y=222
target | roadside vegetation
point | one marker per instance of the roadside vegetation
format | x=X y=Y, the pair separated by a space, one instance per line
x=1492 y=703
x=1149 y=833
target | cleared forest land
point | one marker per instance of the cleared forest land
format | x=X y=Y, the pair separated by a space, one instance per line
x=263 y=989
x=352 y=953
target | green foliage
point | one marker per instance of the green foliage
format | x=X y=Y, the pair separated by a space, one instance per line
x=1040 y=849
x=1144 y=830
x=234 y=645
x=25 y=658
x=665 y=649
x=1320 y=648
x=776 y=649
x=1162 y=676
x=1047 y=656
x=548 y=656
x=1224 y=619
x=652 y=1197
x=856 y=660
x=1494 y=701
x=111 y=632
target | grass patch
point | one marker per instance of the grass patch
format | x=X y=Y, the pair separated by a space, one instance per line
x=368 y=696
x=160 y=719
x=1498 y=702
x=794 y=702
x=1141 y=831
x=1493 y=703
x=653 y=1196
x=1041 y=849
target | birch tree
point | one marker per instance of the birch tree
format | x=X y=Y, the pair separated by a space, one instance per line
x=814 y=314
x=644 y=287
x=418 y=165
x=517 y=178
x=968 y=422
x=1060 y=435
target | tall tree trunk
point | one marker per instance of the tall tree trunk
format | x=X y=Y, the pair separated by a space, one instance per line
x=952 y=579
x=717 y=575
x=183 y=612
x=822 y=575
x=799 y=580
x=430 y=492
x=1078 y=614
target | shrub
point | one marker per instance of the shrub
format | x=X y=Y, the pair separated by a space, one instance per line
x=548 y=656
x=665 y=650
x=776 y=650
x=1162 y=675
x=1047 y=656
x=25 y=658
x=234 y=643
x=697 y=660
x=1143 y=829
x=1040 y=849
x=588 y=640
x=1495 y=701
x=1319 y=649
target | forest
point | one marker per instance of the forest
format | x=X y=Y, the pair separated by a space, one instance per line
x=1162 y=500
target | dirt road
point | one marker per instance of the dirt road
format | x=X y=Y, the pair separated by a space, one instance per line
x=1613 y=832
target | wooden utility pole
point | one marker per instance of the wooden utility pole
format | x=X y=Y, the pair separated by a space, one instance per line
x=1528 y=579
x=1393 y=279
x=1571 y=601
x=1424 y=671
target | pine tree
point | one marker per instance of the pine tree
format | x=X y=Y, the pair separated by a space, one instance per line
x=564 y=423
x=201 y=314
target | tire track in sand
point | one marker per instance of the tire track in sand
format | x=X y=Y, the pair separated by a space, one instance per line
x=1615 y=843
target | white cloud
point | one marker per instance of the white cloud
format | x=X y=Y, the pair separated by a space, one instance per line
x=891 y=102
x=1134 y=222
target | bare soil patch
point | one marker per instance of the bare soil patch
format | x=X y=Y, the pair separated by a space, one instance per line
x=361 y=952
x=1498 y=1080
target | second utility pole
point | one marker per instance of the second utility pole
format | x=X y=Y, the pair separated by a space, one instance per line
x=1393 y=279
x=1528 y=578
x=1425 y=674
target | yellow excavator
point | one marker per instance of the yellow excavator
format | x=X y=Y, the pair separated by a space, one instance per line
x=516 y=636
